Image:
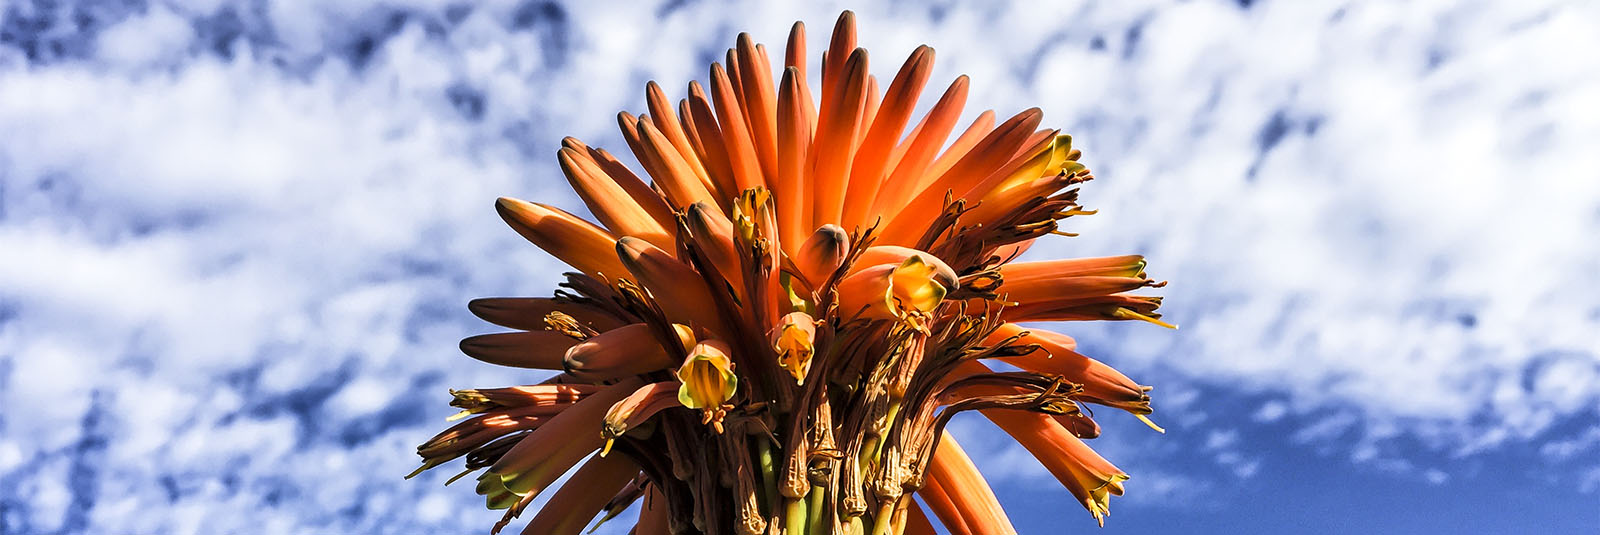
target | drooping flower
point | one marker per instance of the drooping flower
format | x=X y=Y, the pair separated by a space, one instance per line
x=896 y=283
x=771 y=325
x=794 y=339
x=707 y=377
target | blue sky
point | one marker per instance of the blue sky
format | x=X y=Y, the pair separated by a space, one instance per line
x=237 y=240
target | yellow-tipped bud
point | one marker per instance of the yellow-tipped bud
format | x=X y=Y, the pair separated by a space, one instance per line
x=1091 y=478
x=638 y=408
x=1060 y=155
x=1107 y=266
x=1102 y=384
x=542 y=456
x=707 y=376
x=793 y=338
x=1045 y=160
x=627 y=350
x=475 y=400
x=495 y=493
x=1121 y=306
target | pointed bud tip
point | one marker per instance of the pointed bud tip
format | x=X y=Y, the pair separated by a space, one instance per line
x=631 y=248
x=481 y=305
x=509 y=203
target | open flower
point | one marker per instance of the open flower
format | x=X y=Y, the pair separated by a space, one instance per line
x=794 y=339
x=707 y=376
x=782 y=306
x=908 y=289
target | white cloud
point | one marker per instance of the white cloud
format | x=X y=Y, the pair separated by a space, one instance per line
x=1589 y=480
x=251 y=256
x=1217 y=440
x=158 y=37
x=1271 y=411
x=1561 y=450
x=1410 y=246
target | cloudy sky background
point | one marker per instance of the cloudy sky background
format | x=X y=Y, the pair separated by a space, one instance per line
x=237 y=240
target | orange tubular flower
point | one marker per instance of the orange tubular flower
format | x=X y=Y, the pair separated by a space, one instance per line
x=713 y=234
x=1085 y=473
x=541 y=350
x=554 y=447
x=965 y=504
x=529 y=313
x=584 y=496
x=771 y=325
x=917 y=522
x=577 y=242
x=1039 y=284
x=609 y=201
x=666 y=277
x=1111 y=266
x=822 y=254
x=1102 y=384
x=476 y=400
x=624 y=351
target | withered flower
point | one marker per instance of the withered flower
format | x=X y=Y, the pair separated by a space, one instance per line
x=770 y=327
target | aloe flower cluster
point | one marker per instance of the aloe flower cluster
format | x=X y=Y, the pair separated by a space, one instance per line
x=769 y=329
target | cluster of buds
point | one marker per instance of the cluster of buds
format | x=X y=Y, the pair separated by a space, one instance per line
x=731 y=358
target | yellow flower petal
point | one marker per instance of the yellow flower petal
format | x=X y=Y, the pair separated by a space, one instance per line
x=792 y=339
x=707 y=376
